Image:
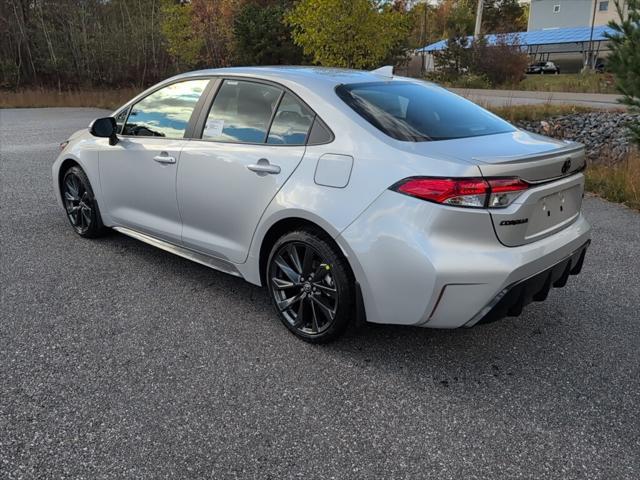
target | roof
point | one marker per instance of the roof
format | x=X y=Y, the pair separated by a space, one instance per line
x=298 y=74
x=551 y=36
x=311 y=79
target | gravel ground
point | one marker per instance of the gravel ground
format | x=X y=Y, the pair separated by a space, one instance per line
x=118 y=360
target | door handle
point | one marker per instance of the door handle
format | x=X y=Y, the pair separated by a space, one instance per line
x=164 y=158
x=263 y=167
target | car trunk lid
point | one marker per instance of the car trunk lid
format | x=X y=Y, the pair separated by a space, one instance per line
x=552 y=168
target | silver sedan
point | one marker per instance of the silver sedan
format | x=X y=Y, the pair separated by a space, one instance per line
x=353 y=196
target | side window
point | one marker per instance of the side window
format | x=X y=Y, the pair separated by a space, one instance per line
x=121 y=117
x=241 y=112
x=319 y=133
x=291 y=124
x=165 y=113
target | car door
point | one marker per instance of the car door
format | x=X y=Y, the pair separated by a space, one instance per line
x=252 y=139
x=138 y=174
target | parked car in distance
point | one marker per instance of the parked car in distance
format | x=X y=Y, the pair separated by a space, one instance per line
x=352 y=196
x=543 y=68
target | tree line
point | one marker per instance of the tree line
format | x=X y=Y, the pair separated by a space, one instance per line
x=79 y=43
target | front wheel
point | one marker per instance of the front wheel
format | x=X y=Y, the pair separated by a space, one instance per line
x=80 y=204
x=311 y=286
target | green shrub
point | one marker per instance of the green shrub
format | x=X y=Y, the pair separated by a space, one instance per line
x=471 y=80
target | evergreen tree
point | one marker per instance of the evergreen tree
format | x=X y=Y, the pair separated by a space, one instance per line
x=624 y=60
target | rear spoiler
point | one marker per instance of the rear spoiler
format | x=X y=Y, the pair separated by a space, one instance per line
x=386 y=71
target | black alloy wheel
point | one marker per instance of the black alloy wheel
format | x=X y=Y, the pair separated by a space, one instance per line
x=311 y=286
x=80 y=205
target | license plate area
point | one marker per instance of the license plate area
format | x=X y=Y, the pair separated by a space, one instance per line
x=554 y=211
x=541 y=211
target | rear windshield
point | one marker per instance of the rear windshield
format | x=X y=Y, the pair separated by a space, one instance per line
x=419 y=112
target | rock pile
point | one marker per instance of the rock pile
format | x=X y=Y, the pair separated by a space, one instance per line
x=603 y=133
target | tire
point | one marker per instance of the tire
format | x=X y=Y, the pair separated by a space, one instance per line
x=311 y=285
x=80 y=204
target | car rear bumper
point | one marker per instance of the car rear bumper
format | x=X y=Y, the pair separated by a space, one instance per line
x=510 y=301
x=423 y=264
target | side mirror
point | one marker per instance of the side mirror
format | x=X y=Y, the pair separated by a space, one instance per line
x=105 y=128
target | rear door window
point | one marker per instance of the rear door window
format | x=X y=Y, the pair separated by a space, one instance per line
x=166 y=112
x=241 y=112
x=418 y=112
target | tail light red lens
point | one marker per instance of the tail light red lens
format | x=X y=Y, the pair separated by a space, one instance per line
x=464 y=192
x=503 y=191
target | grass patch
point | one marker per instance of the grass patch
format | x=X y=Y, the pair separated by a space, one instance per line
x=617 y=183
x=537 y=112
x=566 y=82
x=36 y=98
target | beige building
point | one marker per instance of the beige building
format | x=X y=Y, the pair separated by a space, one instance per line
x=606 y=11
x=547 y=14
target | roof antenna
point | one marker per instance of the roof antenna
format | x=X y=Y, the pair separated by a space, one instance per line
x=386 y=71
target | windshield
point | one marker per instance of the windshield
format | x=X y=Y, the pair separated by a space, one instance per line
x=418 y=112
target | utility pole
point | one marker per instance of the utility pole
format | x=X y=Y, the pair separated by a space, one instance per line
x=476 y=32
x=590 y=61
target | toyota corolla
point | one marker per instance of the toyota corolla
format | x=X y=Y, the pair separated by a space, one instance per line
x=352 y=196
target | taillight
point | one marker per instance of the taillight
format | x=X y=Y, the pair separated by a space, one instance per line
x=464 y=192
x=503 y=191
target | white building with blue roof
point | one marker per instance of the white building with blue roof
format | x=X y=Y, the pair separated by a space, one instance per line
x=571 y=33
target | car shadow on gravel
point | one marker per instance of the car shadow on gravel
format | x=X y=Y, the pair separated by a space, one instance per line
x=529 y=344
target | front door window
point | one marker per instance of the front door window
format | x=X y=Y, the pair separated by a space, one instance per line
x=166 y=112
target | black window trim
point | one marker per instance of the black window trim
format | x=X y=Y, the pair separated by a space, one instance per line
x=188 y=133
x=206 y=109
x=127 y=109
x=273 y=116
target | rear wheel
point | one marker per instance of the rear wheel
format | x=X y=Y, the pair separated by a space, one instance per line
x=311 y=286
x=80 y=204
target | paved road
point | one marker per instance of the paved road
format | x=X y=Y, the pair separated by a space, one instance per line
x=499 y=98
x=118 y=360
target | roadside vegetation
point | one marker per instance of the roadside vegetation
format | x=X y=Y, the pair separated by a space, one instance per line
x=565 y=82
x=106 y=98
x=617 y=183
x=534 y=113
x=134 y=43
x=625 y=58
